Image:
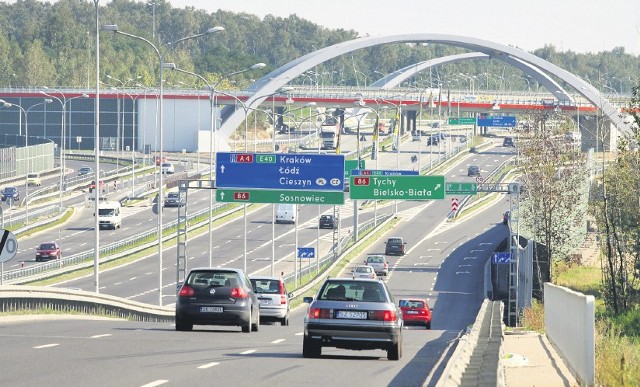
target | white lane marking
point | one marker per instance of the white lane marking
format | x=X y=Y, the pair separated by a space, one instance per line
x=98 y=336
x=486 y=243
x=132 y=278
x=155 y=383
x=475 y=251
x=466 y=258
x=117 y=283
x=248 y=351
x=277 y=341
x=46 y=346
x=208 y=365
x=299 y=333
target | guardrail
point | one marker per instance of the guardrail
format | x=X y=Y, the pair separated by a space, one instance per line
x=569 y=318
x=14 y=298
x=476 y=359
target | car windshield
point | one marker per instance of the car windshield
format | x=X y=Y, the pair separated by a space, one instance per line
x=265 y=285
x=345 y=290
x=213 y=278
x=32 y=176
x=47 y=246
x=173 y=195
x=10 y=190
x=166 y=165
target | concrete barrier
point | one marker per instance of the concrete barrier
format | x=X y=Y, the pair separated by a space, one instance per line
x=569 y=319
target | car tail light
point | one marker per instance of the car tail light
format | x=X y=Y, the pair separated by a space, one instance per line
x=186 y=291
x=281 y=287
x=283 y=300
x=384 y=315
x=239 y=293
x=386 y=265
x=319 y=313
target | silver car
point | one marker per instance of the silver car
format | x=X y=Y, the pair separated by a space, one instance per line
x=273 y=297
x=354 y=314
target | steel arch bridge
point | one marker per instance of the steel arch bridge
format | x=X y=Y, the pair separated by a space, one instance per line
x=530 y=64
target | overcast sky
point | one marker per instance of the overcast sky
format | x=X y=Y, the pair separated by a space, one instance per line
x=576 y=25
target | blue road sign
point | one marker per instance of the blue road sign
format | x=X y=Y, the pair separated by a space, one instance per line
x=306 y=252
x=501 y=258
x=311 y=172
x=499 y=121
x=381 y=172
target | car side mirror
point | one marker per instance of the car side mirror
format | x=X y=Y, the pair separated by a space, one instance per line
x=307 y=300
x=290 y=295
x=178 y=285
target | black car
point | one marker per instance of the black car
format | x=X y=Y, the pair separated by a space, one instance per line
x=473 y=170
x=508 y=141
x=173 y=199
x=10 y=194
x=433 y=140
x=357 y=314
x=217 y=296
x=328 y=221
x=395 y=246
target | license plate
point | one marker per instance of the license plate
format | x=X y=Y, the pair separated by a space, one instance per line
x=211 y=309
x=412 y=312
x=264 y=301
x=352 y=314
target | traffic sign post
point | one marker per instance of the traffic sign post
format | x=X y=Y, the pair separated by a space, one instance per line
x=242 y=195
x=462 y=120
x=280 y=171
x=461 y=188
x=499 y=258
x=306 y=252
x=8 y=245
x=397 y=187
x=380 y=172
x=498 y=121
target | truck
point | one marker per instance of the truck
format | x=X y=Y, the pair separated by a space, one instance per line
x=329 y=131
x=109 y=215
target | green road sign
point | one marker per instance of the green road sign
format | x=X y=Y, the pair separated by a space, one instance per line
x=240 y=195
x=462 y=120
x=461 y=188
x=350 y=165
x=397 y=187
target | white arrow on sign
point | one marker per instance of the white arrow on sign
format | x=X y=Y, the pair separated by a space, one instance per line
x=221 y=195
x=222 y=168
x=8 y=245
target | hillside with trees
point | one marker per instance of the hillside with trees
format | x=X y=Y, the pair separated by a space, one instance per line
x=52 y=44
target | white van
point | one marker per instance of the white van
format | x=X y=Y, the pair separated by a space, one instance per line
x=286 y=213
x=109 y=215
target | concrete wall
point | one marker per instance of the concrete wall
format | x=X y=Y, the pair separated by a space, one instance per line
x=569 y=319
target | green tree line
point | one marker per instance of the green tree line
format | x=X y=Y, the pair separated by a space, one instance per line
x=53 y=44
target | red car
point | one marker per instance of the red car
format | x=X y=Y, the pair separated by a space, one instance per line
x=416 y=311
x=46 y=251
x=159 y=160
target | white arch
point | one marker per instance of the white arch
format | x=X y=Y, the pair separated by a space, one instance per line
x=273 y=81
x=398 y=76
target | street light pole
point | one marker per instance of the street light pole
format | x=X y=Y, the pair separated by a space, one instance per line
x=114 y=28
x=96 y=115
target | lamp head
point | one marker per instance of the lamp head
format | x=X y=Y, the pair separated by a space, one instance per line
x=169 y=66
x=214 y=30
x=110 y=28
x=48 y=100
x=258 y=66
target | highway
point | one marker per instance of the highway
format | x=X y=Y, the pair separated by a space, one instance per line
x=444 y=264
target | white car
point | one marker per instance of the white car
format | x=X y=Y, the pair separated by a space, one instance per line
x=363 y=272
x=167 y=168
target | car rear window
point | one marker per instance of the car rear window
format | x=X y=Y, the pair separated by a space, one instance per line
x=353 y=291
x=375 y=259
x=270 y=286
x=47 y=246
x=213 y=278
x=394 y=240
x=411 y=304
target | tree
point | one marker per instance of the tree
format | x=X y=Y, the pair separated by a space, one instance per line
x=554 y=189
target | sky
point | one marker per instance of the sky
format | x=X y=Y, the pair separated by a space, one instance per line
x=577 y=25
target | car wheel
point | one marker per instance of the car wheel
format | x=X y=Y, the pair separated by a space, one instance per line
x=311 y=348
x=256 y=326
x=37 y=259
x=183 y=326
x=246 y=327
x=428 y=325
x=285 y=320
x=395 y=351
